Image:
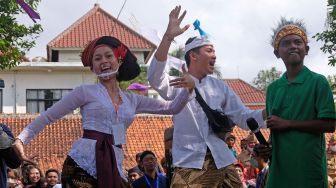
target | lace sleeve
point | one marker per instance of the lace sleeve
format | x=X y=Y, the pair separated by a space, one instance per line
x=154 y=106
x=67 y=104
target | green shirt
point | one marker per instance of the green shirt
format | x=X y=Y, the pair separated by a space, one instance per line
x=298 y=158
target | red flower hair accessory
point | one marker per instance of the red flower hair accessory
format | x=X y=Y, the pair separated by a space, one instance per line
x=120 y=52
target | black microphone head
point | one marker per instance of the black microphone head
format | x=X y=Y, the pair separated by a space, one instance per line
x=252 y=124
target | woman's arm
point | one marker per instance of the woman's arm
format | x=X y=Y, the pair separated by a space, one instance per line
x=68 y=103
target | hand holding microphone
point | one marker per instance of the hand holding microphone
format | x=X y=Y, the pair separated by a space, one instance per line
x=253 y=126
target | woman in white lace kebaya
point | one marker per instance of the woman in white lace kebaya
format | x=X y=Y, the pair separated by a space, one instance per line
x=107 y=112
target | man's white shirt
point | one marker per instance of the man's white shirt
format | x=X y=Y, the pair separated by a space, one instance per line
x=192 y=134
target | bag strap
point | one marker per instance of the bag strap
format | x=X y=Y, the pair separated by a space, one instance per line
x=204 y=105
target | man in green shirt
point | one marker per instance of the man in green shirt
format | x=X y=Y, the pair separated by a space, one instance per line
x=300 y=110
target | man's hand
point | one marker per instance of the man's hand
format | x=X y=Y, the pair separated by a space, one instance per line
x=184 y=81
x=276 y=123
x=175 y=20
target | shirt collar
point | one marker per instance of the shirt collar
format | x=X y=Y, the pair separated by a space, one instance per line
x=299 y=79
x=199 y=81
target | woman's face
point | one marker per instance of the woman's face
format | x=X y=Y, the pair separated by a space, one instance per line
x=239 y=172
x=34 y=175
x=104 y=61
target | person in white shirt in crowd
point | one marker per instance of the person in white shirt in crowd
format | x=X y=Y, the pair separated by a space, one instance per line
x=201 y=158
x=107 y=111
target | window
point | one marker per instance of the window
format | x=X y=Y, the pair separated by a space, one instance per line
x=1 y=101
x=39 y=100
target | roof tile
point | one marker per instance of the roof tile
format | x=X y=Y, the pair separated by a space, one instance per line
x=97 y=22
x=51 y=146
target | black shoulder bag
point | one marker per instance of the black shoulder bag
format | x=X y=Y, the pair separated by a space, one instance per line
x=218 y=121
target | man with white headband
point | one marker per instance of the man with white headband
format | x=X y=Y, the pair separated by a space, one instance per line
x=300 y=109
x=200 y=157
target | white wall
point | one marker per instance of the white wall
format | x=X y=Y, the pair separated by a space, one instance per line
x=69 y=56
x=73 y=56
x=140 y=57
x=16 y=83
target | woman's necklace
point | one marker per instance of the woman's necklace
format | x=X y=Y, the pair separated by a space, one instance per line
x=117 y=102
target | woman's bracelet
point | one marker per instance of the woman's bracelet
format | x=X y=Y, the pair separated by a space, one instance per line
x=18 y=140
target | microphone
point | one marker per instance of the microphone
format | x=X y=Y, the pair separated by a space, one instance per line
x=253 y=126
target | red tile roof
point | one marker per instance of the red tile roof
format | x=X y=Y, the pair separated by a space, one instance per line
x=97 y=22
x=51 y=146
x=146 y=132
x=250 y=96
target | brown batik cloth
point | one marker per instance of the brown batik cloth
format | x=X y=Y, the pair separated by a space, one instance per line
x=74 y=176
x=208 y=177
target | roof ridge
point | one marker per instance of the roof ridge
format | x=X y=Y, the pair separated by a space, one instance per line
x=256 y=89
x=94 y=10
x=77 y=22
x=126 y=26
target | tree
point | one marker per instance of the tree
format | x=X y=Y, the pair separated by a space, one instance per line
x=332 y=81
x=15 y=39
x=265 y=77
x=141 y=79
x=329 y=35
x=179 y=53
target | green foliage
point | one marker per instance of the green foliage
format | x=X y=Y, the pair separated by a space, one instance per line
x=265 y=77
x=217 y=72
x=15 y=38
x=178 y=53
x=142 y=79
x=329 y=35
x=332 y=81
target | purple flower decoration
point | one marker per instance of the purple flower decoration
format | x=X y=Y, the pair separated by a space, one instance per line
x=137 y=87
x=31 y=13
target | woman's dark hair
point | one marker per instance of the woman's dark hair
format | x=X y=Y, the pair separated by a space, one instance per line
x=129 y=69
x=26 y=171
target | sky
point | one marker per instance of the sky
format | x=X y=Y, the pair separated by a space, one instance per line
x=240 y=29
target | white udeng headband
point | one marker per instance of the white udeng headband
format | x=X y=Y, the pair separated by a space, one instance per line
x=197 y=42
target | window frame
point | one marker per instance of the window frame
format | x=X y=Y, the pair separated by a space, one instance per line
x=39 y=99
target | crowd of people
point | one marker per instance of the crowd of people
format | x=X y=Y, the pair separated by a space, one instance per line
x=252 y=168
x=30 y=176
x=299 y=110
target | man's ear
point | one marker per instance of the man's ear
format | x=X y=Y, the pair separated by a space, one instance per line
x=276 y=53
x=307 y=49
x=193 y=55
